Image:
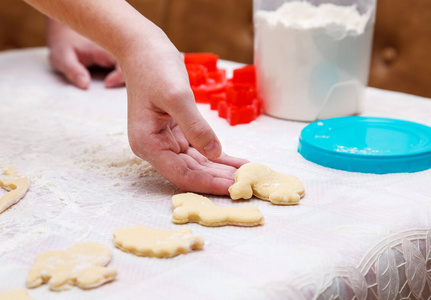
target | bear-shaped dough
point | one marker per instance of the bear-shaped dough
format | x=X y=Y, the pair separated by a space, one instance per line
x=266 y=184
x=190 y=207
x=144 y=241
x=83 y=265
x=15 y=183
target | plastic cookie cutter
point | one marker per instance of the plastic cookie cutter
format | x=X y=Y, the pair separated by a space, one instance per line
x=235 y=99
x=205 y=78
x=239 y=104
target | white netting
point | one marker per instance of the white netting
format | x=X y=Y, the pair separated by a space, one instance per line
x=85 y=183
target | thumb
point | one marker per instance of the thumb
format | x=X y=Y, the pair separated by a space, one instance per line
x=195 y=128
x=114 y=78
x=68 y=64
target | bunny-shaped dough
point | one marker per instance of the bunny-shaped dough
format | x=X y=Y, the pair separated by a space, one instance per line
x=190 y=207
x=266 y=184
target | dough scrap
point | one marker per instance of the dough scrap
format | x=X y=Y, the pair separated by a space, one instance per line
x=266 y=184
x=190 y=207
x=144 y=241
x=82 y=265
x=15 y=183
x=18 y=294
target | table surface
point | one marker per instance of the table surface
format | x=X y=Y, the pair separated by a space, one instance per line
x=353 y=235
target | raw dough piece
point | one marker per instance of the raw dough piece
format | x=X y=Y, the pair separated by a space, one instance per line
x=190 y=207
x=15 y=183
x=144 y=241
x=266 y=184
x=82 y=265
x=18 y=294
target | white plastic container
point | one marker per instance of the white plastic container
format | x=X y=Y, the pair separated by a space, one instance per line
x=312 y=57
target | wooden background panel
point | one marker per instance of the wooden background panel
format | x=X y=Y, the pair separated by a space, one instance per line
x=401 y=59
x=223 y=27
x=155 y=10
x=20 y=25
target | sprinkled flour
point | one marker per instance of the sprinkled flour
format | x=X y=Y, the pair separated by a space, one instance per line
x=119 y=163
x=80 y=165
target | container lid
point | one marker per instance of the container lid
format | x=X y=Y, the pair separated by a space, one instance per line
x=367 y=145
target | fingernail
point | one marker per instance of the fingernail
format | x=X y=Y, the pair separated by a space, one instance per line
x=213 y=150
x=81 y=81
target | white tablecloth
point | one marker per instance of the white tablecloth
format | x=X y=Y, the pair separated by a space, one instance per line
x=353 y=236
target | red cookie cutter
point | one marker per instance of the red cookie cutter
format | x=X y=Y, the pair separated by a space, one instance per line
x=235 y=99
x=205 y=78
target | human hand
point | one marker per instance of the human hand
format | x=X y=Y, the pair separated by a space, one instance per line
x=71 y=54
x=165 y=126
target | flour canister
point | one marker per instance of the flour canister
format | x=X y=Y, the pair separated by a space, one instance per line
x=312 y=57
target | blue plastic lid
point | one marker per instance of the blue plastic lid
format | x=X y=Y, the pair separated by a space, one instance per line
x=367 y=145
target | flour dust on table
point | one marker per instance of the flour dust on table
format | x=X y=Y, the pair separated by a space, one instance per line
x=15 y=183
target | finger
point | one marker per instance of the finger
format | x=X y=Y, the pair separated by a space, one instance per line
x=196 y=130
x=179 y=136
x=67 y=63
x=114 y=78
x=225 y=163
x=195 y=161
x=206 y=184
x=175 y=169
x=101 y=58
x=235 y=162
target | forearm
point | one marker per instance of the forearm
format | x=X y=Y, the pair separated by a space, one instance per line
x=164 y=124
x=113 y=24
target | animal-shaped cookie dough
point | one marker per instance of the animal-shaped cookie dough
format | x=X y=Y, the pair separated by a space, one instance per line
x=190 y=207
x=15 y=183
x=82 y=265
x=266 y=184
x=144 y=241
x=18 y=294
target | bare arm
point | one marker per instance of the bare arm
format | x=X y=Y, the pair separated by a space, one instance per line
x=99 y=20
x=164 y=125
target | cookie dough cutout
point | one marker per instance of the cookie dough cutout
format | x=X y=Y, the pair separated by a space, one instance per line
x=144 y=241
x=18 y=294
x=190 y=207
x=83 y=265
x=259 y=180
x=15 y=183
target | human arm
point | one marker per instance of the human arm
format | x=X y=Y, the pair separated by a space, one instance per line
x=164 y=124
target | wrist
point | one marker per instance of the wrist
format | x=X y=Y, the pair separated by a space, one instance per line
x=140 y=42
